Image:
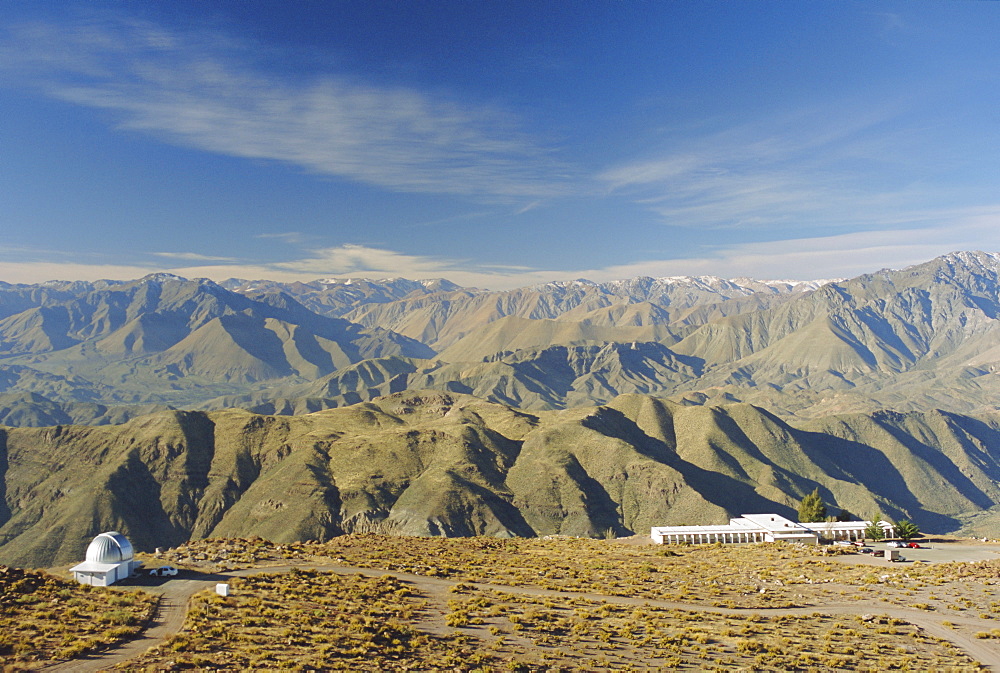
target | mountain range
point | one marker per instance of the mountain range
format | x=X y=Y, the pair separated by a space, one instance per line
x=919 y=338
x=432 y=463
x=173 y=409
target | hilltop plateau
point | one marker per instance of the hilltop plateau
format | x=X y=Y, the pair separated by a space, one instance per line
x=372 y=602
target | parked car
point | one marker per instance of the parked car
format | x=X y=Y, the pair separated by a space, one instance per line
x=867 y=550
x=896 y=544
x=165 y=571
x=913 y=545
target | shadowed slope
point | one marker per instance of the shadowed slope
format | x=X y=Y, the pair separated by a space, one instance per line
x=431 y=463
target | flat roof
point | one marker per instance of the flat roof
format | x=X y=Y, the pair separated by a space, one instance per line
x=94 y=567
x=774 y=523
x=705 y=529
x=845 y=525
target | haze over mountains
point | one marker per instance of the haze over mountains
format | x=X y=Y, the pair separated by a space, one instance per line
x=920 y=338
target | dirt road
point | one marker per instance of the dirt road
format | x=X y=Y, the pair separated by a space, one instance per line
x=176 y=593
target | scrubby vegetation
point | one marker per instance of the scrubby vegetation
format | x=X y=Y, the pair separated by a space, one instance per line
x=537 y=603
x=314 y=620
x=720 y=575
x=564 y=633
x=764 y=575
x=310 y=620
x=369 y=602
x=44 y=618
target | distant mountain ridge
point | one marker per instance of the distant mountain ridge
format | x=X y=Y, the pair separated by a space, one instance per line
x=919 y=338
x=146 y=340
x=333 y=296
x=574 y=408
x=439 y=320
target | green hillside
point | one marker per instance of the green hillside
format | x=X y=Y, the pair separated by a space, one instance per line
x=430 y=463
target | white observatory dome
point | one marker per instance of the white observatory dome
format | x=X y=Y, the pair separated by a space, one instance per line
x=111 y=547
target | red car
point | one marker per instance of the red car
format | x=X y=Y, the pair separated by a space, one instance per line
x=913 y=545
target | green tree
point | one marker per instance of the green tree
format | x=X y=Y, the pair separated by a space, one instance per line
x=874 y=529
x=812 y=508
x=846 y=516
x=906 y=530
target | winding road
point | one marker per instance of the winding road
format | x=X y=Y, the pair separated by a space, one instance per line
x=176 y=593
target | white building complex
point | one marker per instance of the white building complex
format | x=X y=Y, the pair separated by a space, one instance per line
x=766 y=528
x=109 y=558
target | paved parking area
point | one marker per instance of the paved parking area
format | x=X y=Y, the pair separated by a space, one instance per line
x=932 y=552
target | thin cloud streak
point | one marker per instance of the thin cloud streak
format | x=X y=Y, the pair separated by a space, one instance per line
x=290 y=237
x=816 y=258
x=191 y=92
x=806 y=169
x=43 y=271
x=193 y=257
x=806 y=258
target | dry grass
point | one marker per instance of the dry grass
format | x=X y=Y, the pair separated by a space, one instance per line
x=43 y=618
x=764 y=575
x=309 y=620
x=563 y=633
x=455 y=624
x=721 y=575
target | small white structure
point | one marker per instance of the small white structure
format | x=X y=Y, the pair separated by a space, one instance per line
x=764 y=528
x=222 y=589
x=109 y=558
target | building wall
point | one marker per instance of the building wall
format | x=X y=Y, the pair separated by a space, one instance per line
x=764 y=527
x=104 y=579
x=92 y=578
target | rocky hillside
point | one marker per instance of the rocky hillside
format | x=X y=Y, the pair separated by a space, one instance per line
x=163 y=339
x=333 y=297
x=431 y=463
x=921 y=338
x=439 y=320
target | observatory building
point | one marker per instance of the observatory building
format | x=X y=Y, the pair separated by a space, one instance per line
x=109 y=558
x=766 y=528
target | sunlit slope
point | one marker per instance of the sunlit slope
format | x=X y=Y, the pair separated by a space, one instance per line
x=442 y=319
x=875 y=326
x=166 y=339
x=542 y=378
x=512 y=333
x=920 y=338
x=430 y=463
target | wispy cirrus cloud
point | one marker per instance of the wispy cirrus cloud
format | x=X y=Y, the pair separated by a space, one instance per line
x=801 y=258
x=203 y=91
x=835 y=168
x=193 y=257
x=358 y=260
x=918 y=238
x=290 y=237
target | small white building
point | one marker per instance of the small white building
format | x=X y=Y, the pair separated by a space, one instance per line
x=765 y=528
x=110 y=558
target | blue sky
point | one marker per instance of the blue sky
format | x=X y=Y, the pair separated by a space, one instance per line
x=495 y=143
